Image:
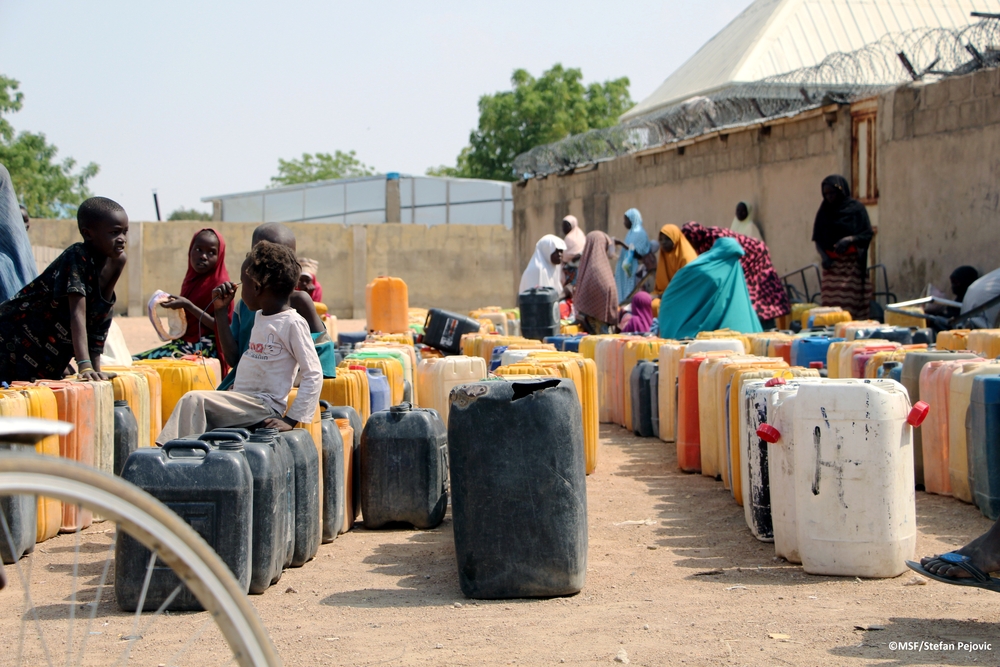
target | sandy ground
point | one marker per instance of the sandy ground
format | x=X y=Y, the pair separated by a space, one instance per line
x=689 y=586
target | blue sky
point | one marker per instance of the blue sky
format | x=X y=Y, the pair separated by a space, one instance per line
x=202 y=98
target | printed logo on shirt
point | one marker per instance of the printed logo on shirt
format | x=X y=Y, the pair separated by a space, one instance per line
x=265 y=351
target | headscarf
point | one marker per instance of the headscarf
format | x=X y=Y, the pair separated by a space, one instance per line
x=669 y=263
x=642 y=314
x=637 y=242
x=844 y=218
x=17 y=262
x=596 y=295
x=197 y=287
x=541 y=272
x=575 y=238
x=709 y=294
x=746 y=227
x=310 y=267
x=767 y=292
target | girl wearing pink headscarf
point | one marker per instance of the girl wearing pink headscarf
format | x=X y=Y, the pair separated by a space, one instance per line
x=575 y=240
x=642 y=314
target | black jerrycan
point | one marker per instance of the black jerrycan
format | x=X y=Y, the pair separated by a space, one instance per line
x=271 y=527
x=307 y=528
x=333 y=475
x=126 y=434
x=20 y=514
x=209 y=487
x=642 y=417
x=404 y=467
x=519 y=490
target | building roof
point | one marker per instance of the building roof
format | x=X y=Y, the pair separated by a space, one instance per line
x=775 y=36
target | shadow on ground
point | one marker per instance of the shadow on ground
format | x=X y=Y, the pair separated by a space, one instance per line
x=946 y=642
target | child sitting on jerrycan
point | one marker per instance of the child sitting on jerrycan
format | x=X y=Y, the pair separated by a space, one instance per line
x=280 y=345
x=66 y=311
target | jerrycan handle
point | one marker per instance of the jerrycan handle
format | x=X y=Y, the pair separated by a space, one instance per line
x=187 y=443
x=775 y=382
x=221 y=436
x=918 y=413
x=768 y=433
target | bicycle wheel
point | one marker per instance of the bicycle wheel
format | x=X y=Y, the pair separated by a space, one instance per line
x=173 y=543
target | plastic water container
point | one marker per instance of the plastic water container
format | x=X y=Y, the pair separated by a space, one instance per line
x=901 y=335
x=352 y=463
x=378 y=390
x=959 y=399
x=348 y=339
x=935 y=389
x=519 y=488
x=272 y=518
x=669 y=367
x=126 y=434
x=444 y=330
x=334 y=478
x=813 y=348
x=710 y=415
x=733 y=345
x=654 y=401
x=539 y=312
x=306 y=466
x=854 y=490
x=496 y=357
x=641 y=380
x=438 y=377
x=511 y=357
x=913 y=363
x=387 y=305
x=983 y=427
x=572 y=344
x=21 y=515
x=211 y=489
x=688 y=418
x=404 y=468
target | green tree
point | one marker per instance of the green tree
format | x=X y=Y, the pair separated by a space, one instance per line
x=320 y=167
x=49 y=189
x=189 y=214
x=537 y=111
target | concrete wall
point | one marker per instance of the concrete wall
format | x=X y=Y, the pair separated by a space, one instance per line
x=456 y=267
x=778 y=168
x=939 y=180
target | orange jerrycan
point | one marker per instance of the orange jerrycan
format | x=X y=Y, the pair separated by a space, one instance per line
x=387 y=305
x=347 y=435
x=76 y=403
x=41 y=403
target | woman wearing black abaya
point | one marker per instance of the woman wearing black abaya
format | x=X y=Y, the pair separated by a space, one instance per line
x=842 y=233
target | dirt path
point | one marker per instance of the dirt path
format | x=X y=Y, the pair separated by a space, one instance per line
x=392 y=597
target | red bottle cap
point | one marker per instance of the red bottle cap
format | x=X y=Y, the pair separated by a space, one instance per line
x=358 y=368
x=775 y=382
x=818 y=365
x=768 y=433
x=918 y=414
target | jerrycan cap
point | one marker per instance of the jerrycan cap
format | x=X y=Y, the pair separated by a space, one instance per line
x=121 y=404
x=775 y=382
x=355 y=367
x=768 y=433
x=266 y=431
x=402 y=407
x=918 y=414
x=818 y=365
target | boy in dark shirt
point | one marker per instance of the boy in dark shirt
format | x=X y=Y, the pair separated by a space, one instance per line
x=66 y=311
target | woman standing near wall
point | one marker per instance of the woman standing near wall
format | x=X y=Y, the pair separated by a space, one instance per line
x=635 y=246
x=596 y=298
x=575 y=240
x=675 y=253
x=842 y=233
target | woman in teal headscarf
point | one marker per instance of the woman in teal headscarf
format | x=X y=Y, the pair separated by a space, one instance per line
x=709 y=293
x=636 y=245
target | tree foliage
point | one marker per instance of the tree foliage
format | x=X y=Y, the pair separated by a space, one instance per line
x=48 y=188
x=535 y=112
x=190 y=214
x=320 y=167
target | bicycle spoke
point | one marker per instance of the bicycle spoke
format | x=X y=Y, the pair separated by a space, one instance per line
x=72 y=599
x=204 y=626
x=159 y=612
x=138 y=611
x=97 y=598
x=25 y=583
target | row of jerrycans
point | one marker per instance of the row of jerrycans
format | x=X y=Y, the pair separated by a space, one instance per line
x=267 y=486
x=827 y=469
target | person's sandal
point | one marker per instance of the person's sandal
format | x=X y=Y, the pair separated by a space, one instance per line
x=979 y=579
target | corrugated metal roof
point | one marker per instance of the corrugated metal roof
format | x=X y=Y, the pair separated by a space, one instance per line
x=775 y=36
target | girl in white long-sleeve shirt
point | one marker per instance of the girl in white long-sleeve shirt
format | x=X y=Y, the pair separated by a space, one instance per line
x=280 y=345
